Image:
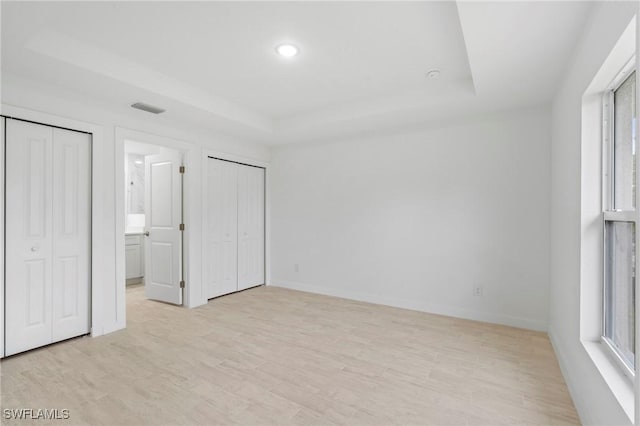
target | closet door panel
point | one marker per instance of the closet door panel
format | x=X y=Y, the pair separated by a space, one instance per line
x=250 y=226
x=222 y=222
x=71 y=233
x=28 y=267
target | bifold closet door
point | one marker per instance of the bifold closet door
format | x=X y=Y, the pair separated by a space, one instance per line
x=29 y=237
x=71 y=292
x=47 y=231
x=222 y=228
x=250 y=226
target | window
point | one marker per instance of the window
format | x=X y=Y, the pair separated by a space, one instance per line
x=619 y=202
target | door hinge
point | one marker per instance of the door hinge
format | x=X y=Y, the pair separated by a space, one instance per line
x=182 y=169
x=182 y=226
x=181 y=284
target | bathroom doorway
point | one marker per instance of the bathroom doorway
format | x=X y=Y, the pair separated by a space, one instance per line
x=154 y=225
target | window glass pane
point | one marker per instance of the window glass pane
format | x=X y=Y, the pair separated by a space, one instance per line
x=624 y=152
x=620 y=288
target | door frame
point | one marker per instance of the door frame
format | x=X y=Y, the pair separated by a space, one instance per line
x=191 y=296
x=99 y=274
x=267 y=209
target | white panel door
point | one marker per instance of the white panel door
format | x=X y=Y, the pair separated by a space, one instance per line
x=47 y=235
x=71 y=233
x=163 y=212
x=250 y=226
x=221 y=269
x=29 y=236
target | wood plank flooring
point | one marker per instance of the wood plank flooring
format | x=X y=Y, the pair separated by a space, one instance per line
x=271 y=356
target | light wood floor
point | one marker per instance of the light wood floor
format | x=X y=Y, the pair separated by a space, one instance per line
x=274 y=356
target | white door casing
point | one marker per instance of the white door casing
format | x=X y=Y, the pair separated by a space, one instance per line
x=250 y=226
x=163 y=211
x=47 y=235
x=221 y=236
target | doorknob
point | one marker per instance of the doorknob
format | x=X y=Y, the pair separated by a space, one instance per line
x=146 y=233
x=34 y=249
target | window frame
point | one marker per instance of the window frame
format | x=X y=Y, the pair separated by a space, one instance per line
x=611 y=215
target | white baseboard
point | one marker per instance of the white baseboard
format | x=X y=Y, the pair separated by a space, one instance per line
x=417 y=305
x=110 y=328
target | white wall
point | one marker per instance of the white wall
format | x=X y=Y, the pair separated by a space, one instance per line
x=56 y=101
x=595 y=402
x=417 y=220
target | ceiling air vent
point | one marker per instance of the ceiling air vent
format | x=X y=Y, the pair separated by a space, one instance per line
x=149 y=108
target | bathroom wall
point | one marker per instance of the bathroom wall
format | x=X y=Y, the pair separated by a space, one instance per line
x=135 y=184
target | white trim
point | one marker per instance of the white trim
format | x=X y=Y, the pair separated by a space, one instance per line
x=192 y=212
x=267 y=208
x=607 y=151
x=99 y=271
x=616 y=356
x=620 y=216
x=636 y=384
x=416 y=305
x=612 y=374
x=623 y=74
x=2 y=243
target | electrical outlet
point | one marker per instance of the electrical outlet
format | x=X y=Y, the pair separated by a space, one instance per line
x=296 y=267
x=477 y=290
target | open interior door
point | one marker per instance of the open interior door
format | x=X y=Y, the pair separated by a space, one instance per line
x=163 y=211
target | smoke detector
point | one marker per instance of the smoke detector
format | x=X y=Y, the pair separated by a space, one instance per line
x=434 y=73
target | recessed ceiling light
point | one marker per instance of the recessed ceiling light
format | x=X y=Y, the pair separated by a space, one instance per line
x=139 y=162
x=287 y=50
x=434 y=73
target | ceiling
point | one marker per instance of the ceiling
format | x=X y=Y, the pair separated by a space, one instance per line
x=361 y=69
